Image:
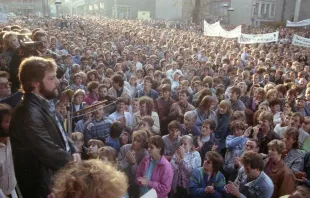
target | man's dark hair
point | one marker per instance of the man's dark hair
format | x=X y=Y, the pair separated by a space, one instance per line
x=211 y=123
x=157 y=141
x=37 y=35
x=216 y=160
x=116 y=129
x=254 y=160
x=121 y=99
x=5 y=110
x=118 y=79
x=174 y=125
x=236 y=90
x=182 y=91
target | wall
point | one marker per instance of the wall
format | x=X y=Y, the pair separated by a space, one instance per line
x=169 y=9
x=289 y=10
x=187 y=9
x=139 y=5
x=242 y=12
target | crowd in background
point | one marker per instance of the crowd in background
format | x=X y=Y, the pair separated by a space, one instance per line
x=185 y=114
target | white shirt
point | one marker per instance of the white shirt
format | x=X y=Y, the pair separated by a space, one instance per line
x=7 y=173
x=117 y=116
x=139 y=66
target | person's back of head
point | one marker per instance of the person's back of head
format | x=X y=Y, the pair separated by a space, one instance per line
x=91 y=178
x=116 y=129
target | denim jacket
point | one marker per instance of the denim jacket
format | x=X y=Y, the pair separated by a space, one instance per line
x=235 y=148
x=261 y=187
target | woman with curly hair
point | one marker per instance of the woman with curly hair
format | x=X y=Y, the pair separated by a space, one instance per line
x=91 y=178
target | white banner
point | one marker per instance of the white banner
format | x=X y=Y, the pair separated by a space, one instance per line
x=258 y=38
x=217 y=30
x=3 y=18
x=301 y=41
x=298 y=24
x=235 y=33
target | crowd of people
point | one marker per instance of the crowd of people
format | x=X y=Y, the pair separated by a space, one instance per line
x=115 y=108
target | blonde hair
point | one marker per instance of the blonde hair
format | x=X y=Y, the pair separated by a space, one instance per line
x=142 y=135
x=278 y=145
x=77 y=136
x=91 y=178
x=227 y=104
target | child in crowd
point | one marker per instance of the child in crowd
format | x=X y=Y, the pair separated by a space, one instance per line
x=235 y=145
x=275 y=107
x=206 y=141
x=80 y=125
x=78 y=139
x=222 y=129
x=93 y=146
x=113 y=140
x=146 y=124
x=172 y=140
x=77 y=105
x=107 y=154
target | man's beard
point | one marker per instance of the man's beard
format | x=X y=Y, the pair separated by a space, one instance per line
x=49 y=95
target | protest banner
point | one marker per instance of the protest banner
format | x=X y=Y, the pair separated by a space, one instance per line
x=217 y=30
x=258 y=38
x=235 y=33
x=3 y=18
x=298 y=24
x=301 y=41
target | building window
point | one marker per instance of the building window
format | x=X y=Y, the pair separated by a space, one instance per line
x=272 y=10
x=267 y=10
x=256 y=9
x=262 y=10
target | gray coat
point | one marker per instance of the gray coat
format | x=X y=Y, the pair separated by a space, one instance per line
x=294 y=160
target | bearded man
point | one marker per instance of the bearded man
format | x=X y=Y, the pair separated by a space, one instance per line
x=40 y=145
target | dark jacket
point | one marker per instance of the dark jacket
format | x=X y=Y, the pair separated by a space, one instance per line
x=264 y=140
x=222 y=130
x=206 y=147
x=162 y=107
x=38 y=146
x=13 y=99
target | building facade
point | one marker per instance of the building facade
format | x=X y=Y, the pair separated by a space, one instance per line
x=22 y=7
x=174 y=9
x=289 y=10
x=121 y=9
